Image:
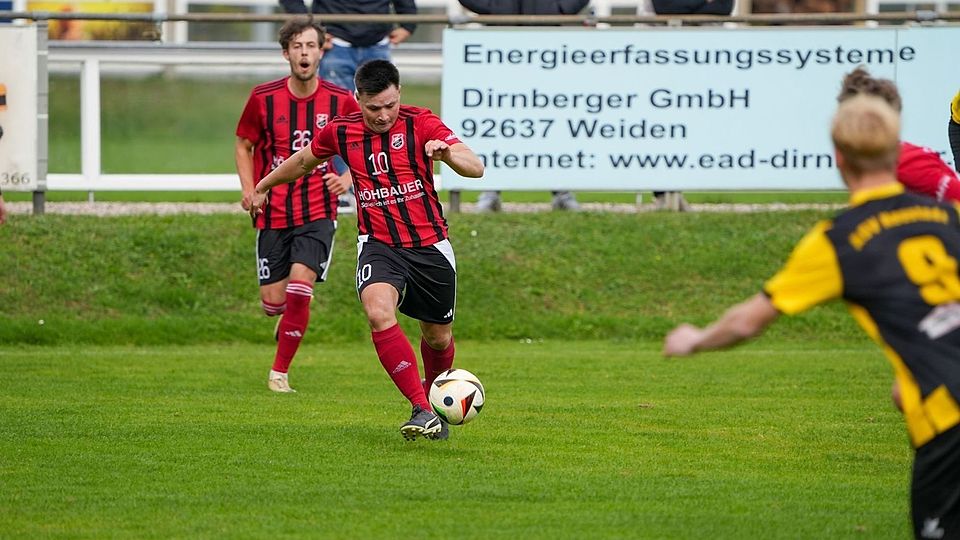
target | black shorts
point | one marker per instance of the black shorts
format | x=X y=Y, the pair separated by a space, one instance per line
x=935 y=490
x=425 y=277
x=310 y=244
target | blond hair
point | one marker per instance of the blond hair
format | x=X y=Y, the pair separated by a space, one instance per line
x=866 y=132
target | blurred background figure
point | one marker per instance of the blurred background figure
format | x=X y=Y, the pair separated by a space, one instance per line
x=349 y=45
x=954 y=130
x=489 y=201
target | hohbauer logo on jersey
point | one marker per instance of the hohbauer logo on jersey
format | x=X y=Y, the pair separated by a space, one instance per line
x=321 y=120
x=397 y=141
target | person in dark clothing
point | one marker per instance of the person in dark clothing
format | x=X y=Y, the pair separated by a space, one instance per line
x=524 y=7
x=953 y=130
x=489 y=201
x=355 y=43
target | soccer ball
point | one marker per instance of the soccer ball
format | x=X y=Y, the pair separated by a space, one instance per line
x=456 y=396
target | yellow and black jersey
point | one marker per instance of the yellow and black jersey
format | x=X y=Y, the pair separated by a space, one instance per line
x=893 y=257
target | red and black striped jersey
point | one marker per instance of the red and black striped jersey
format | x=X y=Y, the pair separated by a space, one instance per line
x=921 y=170
x=278 y=124
x=397 y=203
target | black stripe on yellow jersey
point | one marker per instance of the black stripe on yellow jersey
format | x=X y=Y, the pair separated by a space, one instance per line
x=892 y=256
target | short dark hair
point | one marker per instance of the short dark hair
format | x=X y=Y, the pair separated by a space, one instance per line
x=859 y=81
x=376 y=76
x=297 y=26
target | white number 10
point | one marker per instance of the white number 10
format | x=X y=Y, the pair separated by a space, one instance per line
x=379 y=163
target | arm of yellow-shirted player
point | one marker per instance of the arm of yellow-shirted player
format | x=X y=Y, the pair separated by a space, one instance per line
x=810 y=276
x=739 y=323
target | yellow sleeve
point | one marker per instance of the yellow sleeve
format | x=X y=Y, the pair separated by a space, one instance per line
x=955 y=108
x=810 y=276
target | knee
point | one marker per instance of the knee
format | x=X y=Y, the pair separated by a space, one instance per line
x=438 y=337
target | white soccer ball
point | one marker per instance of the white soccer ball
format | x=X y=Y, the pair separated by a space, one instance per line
x=456 y=396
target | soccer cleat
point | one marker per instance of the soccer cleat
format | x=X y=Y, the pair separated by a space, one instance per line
x=278 y=382
x=443 y=434
x=422 y=423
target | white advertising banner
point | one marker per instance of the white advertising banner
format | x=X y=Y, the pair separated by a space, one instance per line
x=18 y=108
x=678 y=109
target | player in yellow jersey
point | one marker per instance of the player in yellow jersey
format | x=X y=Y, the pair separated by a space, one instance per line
x=954 y=130
x=892 y=256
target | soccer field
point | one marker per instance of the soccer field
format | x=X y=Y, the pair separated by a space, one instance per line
x=578 y=439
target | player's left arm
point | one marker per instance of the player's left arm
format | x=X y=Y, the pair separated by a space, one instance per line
x=457 y=156
x=739 y=323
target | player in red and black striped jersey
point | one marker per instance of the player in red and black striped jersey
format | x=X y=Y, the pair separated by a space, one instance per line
x=919 y=169
x=404 y=259
x=295 y=234
x=893 y=257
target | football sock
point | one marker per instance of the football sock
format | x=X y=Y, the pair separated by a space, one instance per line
x=294 y=323
x=400 y=362
x=434 y=362
x=272 y=310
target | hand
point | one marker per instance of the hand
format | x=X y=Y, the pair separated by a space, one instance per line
x=399 y=35
x=681 y=340
x=438 y=150
x=258 y=201
x=337 y=184
x=245 y=200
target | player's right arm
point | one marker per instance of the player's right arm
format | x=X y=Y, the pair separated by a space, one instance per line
x=243 y=156
x=297 y=165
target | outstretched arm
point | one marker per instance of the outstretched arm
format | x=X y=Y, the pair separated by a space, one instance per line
x=292 y=168
x=741 y=322
x=458 y=157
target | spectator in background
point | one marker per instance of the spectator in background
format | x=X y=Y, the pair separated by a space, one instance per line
x=685 y=7
x=349 y=45
x=489 y=201
x=953 y=130
x=295 y=235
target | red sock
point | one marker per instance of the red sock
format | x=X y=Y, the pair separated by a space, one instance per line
x=400 y=362
x=272 y=310
x=294 y=323
x=434 y=362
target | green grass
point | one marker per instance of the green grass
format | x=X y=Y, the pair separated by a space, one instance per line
x=190 y=279
x=577 y=440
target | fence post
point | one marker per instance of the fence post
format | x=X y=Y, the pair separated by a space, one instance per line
x=43 y=117
x=90 y=122
x=455 y=201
